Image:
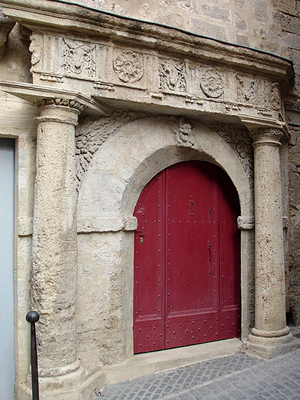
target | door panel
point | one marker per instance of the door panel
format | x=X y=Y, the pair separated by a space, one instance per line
x=191 y=284
x=186 y=277
x=149 y=279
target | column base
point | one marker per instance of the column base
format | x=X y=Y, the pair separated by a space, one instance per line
x=270 y=347
x=78 y=385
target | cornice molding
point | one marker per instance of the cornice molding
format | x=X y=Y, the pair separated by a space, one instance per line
x=39 y=94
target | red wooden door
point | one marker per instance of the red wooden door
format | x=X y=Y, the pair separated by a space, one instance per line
x=186 y=270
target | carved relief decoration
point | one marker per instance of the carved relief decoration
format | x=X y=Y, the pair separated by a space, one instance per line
x=212 y=83
x=184 y=134
x=239 y=140
x=36 y=49
x=246 y=89
x=91 y=134
x=60 y=102
x=275 y=98
x=129 y=66
x=79 y=58
x=172 y=76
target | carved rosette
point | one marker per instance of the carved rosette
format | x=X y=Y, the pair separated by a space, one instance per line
x=184 y=134
x=172 y=76
x=79 y=58
x=129 y=66
x=212 y=83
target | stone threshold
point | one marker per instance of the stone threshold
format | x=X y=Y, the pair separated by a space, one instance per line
x=149 y=363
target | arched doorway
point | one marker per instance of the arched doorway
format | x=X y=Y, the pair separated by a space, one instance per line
x=186 y=262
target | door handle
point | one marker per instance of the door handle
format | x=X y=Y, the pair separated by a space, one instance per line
x=141 y=236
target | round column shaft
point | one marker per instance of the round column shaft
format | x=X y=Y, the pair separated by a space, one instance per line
x=270 y=308
x=54 y=269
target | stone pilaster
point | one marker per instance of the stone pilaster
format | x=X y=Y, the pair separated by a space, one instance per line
x=54 y=253
x=270 y=334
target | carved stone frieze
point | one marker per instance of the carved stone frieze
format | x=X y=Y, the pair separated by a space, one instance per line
x=212 y=83
x=79 y=58
x=239 y=140
x=172 y=76
x=184 y=134
x=113 y=72
x=128 y=66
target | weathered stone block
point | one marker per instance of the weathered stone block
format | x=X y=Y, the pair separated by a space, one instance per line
x=261 y=11
x=207 y=29
x=216 y=12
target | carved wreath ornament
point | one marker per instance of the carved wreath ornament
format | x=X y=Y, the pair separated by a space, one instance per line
x=129 y=66
x=212 y=83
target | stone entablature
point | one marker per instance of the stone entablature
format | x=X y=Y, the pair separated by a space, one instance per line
x=113 y=73
x=123 y=62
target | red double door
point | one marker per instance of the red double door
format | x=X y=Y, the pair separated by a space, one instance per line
x=186 y=267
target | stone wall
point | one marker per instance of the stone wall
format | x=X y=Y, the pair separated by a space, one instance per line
x=244 y=22
x=288 y=15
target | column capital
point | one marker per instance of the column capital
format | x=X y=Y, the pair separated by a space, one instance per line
x=61 y=102
x=265 y=130
x=59 y=109
x=267 y=136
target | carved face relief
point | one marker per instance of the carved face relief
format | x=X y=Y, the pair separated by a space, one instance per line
x=184 y=134
x=79 y=58
x=129 y=66
x=172 y=76
x=212 y=83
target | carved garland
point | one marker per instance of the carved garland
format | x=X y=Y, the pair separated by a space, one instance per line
x=90 y=135
x=239 y=140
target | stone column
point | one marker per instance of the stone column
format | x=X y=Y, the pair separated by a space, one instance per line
x=270 y=334
x=54 y=253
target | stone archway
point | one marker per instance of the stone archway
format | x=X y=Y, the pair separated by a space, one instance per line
x=108 y=193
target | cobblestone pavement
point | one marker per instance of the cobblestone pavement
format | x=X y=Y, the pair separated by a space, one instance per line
x=238 y=377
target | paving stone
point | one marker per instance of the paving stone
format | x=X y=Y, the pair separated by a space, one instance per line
x=237 y=377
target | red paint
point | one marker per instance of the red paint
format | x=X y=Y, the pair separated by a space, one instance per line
x=186 y=272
